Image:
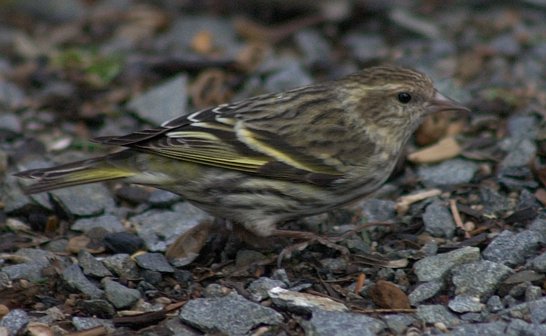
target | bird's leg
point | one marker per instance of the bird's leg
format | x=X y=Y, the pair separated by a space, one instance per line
x=308 y=237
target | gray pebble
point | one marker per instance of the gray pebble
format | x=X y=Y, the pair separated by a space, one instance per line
x=92 y=266
x=425 y=291
x=438 y=220
x=436 y=314
x=447 y=173
x=512 y=249
x=436 y=267
x=122 y=265
x=108 y=222
x=465 y=304
x=479 y=278
x=258 y=288
x=327 y=323
x=494 y=304
x=162 y=102
x=74 y=278
x=15 y=322
x=480 y=329
x=154 y=262
x=119 y=295
x=85 y=200
x=230 y=315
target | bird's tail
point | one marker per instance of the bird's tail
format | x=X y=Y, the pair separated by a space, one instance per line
x=81 y=172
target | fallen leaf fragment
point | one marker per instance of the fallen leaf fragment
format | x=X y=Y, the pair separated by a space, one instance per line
x=445 y=149
x=385 y=294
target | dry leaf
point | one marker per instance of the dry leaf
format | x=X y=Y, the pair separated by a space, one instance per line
x=387 y=295
x=445 y=149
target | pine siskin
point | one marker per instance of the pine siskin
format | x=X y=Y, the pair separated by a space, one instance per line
x=263 y=160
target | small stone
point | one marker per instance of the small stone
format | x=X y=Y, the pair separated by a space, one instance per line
x=85 y=200
x=123 y=242
x=247 y=257
x=15 y=322
x=153 y=226
x=494 y=304
x=97 y=307
x=425 y=291
x=92 y=266
x=163 y=198
x=119 y=295
x=512 y=249
x=533 y=293
x=122 y=265
x=399 y=323
x=259 y=288
x=537 y=310
x=339 y=323
x=5 y=281
x=436 y=267
x=480 y=329
x=108 y=222
x=479 y=278
x=366 y=47
x=520 y=327
x=465 y=304
x=376 y=210
x=74 y=278
x=438 y=220
x=154 y=262
x=303 y=302
x=84 y=323
x=231 y=315
x=520 y=151
x=436 y=314
x=313 y=45
x=447 y=173
x=539 y=226
x=162 y=102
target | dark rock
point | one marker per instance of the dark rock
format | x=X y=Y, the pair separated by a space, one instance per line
x=97 y=307
x=123 y=242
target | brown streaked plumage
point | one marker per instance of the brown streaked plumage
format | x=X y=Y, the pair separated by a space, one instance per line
x=273 y=157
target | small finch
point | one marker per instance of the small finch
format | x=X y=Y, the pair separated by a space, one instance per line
x=263 y=160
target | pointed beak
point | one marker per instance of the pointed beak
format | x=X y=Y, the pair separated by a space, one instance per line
x=442 y=103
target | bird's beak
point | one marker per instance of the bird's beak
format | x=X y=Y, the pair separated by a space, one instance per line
x=442 y=103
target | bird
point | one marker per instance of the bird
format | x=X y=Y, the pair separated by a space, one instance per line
x=261 y=161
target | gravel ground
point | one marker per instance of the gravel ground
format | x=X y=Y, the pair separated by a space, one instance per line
x=463 y=250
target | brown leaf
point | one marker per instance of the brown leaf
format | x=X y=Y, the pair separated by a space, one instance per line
x=445 y=149
x=385 y=294
x=77 y=243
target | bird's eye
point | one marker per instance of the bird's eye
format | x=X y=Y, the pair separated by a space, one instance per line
x=404 y=97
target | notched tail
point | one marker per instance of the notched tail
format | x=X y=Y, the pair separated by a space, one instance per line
x=72 y=174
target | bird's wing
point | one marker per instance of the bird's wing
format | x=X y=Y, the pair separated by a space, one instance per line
x=227 y=137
